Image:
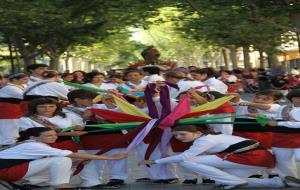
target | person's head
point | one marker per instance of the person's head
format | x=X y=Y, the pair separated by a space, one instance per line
x=150 y=55
x=40 y=134
x=189 y=133
x=78 y=76
x=108 y=100
x=94 y=77
x=18 y=78
x=140 y=102
x=81 y=98
x=225 y=74
x=202 y=74
x=174 y=76
x=294 y=97
x=134 y=75
x=67 y=77
x=267 y=97
x=47 y=107
x=116 y=78
x=36 y=69
x=51 y=75
x=151 y=70
x=192 y=68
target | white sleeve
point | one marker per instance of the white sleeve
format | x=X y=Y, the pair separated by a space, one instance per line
x=76 y=119
x=274 y=108
x=40 y=150
x=295 y=123
x=59 y=90
x=25 y=123
x=197 y=148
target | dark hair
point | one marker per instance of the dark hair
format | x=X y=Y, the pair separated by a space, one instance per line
x=29 y=68
x=41 y=101
x=16 y=76
x=65 y=75
x=50 y=74
x=152 y=70
x=127 y=71
x=89 y=76
x=32 y=132
x=208 y=71
x=175 y=74
x=276 y=95
x=148 y=49
x=293 y=94
x=116 y=75
x=192 y=128
x=81 y=94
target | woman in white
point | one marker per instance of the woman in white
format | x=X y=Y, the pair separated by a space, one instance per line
x=206 y=75
x=286 y=145
x=35 y=161
x=10 y=97
x=96 y=79
x=45 y=112
x=229 y=160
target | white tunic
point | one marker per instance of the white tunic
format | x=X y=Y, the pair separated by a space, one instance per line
x=76 y=118
x=103 y=86
x=216 y=84
x=51 y=88
x=132 y=86
x=294 y=114
x=185 y=85
x=208 y=144
x=11 y=91
x=32 y=150
x=26 y=122
x=270 y=113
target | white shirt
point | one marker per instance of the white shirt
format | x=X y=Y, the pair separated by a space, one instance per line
x=26 y=122
x=51 y=88
x=133 y=86
x=294 y=115
x=216 y=84
x=11 y=91
x=270 y=113
x=185 y=85
x=76 y=119
x=33 y=79
x=32 y=150
x=103 y=86
x=208 y=144
x=153 y=78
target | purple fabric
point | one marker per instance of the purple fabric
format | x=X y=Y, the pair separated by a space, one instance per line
x=173 y=85
x=141 y=135
x=150 y=89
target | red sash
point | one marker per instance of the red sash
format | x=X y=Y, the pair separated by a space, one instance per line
x=66 y=145
x=10 y=111
x=178 y=146
x=14 y=173
x=286 y=140
x=100 y=141
x=262 y=158
x=24 y=106
x=265 y=138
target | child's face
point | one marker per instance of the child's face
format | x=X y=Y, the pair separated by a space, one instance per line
x=134 y=77
x=140 y=104
x=83 y=102
x=46 y=137
x=47 y=110
x=296 y=101
x=263 y=99
x=186 y=136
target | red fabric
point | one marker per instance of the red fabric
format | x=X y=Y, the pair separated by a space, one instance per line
x=265 y=138
x=24 y=106
x=179 y=111
x=262 y=158
x=66 y=145
x=100 y=141
x=286 y=140
x=154 y=140
x=10 y=111
x=118 y=116
x=178 y=146
x=225 y=108
x=14 y=173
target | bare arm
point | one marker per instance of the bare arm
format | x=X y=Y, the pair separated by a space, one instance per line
x=97 y=157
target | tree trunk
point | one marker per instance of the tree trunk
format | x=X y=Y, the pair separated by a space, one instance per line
x=28 y=53
x=54 y=61
x=224 y=53
x=261 y=59
x=273 y=60
x=17 y=59
x=11 y=56
x=246 y=57
x=67 y=60
x=233 y=56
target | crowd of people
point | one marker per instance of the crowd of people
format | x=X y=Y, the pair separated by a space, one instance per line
x=48 y=126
